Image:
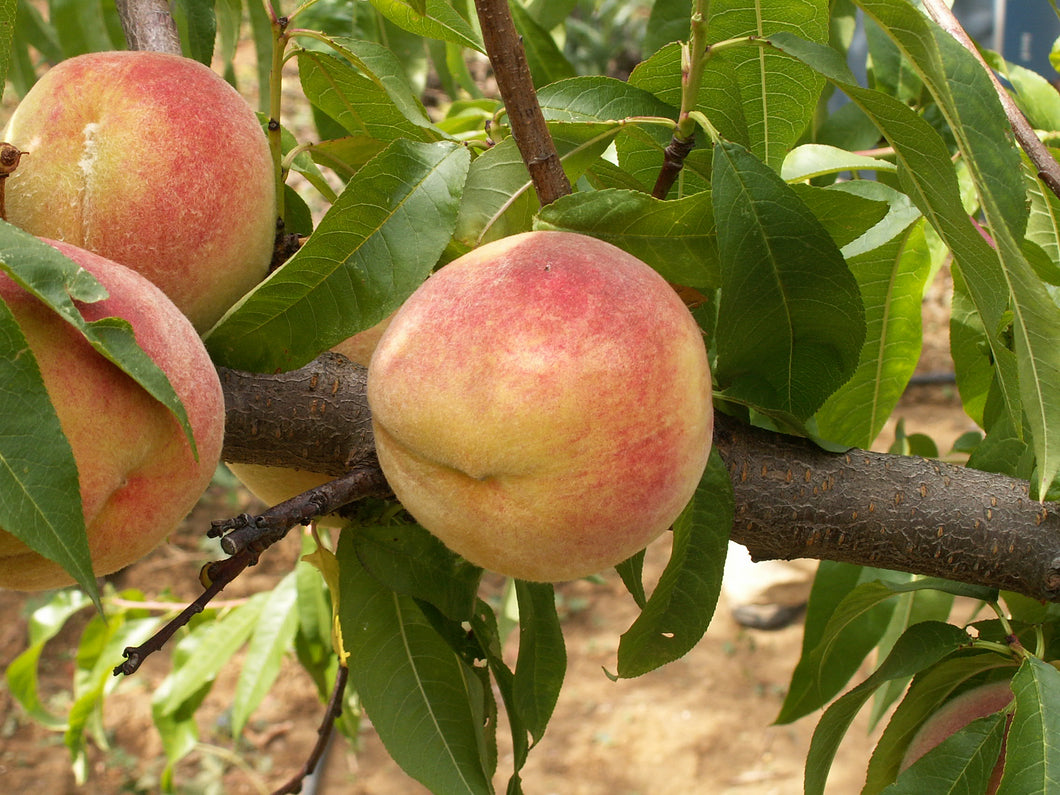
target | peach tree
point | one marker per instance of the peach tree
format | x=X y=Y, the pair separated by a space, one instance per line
x=708 y=139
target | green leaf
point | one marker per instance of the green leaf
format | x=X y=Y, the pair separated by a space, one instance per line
x=929 y=690
x=40 y=495
x=101 y=644
x=545 y=59
x=790 y=320
x=362 y=105
x=22 y=674
x=963 y=762
x=542 y=659
x=1032 y=762
x=425 y=702
x=214 y=643
x=499 y=199
x=597 y=98
x=920 y=646
x=435 y=20
x=197 y=26
x=931 y=182
x=855 y=627
x=374 y=247
x=271 y=639
x=778 y=94
x=817 y=160
x=680 y=608
x=409 y=560
x=892 y=280
x=8 y=10
x=965 y=95
x=58 y=282
x=82 y=26
x=676 y=237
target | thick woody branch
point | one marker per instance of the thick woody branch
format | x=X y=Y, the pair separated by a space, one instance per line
x=792 y=499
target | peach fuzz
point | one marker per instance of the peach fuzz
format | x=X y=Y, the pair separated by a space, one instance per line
x=138 y=477
x=543 y=405
x=154 y=161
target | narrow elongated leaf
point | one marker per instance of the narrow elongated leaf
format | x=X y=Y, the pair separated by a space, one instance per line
x=40 y=497
x=931 y=182
x=816 y=160
x=542 y=659
x=434 y=19
x=376 y=245
x=545 y=59
x=1032 y=762
x=362 y=106
x=966 y=98
x=597 y=98
x=215 y=643
x=855 y=627
x=790 y=321
x=8 y=9
x=81 y=26
x=409 y=560
x=919 y=647
x=57 y=281
x=272 y=637
x=197 y=25
x=963 y=762
x=680 y=608
x=929 y=689
x=676 y=237
x=778 y=95
x=424 y=701
x=499 y=198
x=892 y=280
x=21 y=675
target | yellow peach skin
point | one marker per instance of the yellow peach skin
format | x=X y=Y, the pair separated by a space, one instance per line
x=543 y=405
x=154 y=161
x=138 y=477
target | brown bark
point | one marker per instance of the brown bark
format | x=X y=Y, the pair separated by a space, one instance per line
x=792 y=498
x=510 y=69
x=148 y=25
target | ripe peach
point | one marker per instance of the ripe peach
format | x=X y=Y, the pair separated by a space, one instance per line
x=137 y=474
x=543 y=405
x=957 y=713
x=154 y=161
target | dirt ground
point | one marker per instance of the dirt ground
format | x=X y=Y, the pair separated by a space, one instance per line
x=700 y=725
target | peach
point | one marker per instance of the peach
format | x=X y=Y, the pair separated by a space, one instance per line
x=957 y=713
x=138 y=476
x=271 y=484
x=154 y=161
x=543 y=405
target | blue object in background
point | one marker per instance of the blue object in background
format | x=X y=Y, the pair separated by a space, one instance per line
x=1024 y=33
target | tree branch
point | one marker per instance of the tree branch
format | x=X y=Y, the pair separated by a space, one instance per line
x=792 y=499
x=512 y=73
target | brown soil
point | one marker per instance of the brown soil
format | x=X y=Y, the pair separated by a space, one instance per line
x=700 y=725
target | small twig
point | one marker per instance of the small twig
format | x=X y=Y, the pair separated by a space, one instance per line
x=673 y=161
x=508 y=58
x=1044 y=162
x=219 y=574
x=256 y=533
x=324 y=732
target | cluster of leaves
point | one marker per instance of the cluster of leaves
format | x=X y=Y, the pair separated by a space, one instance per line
x=810 y=254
